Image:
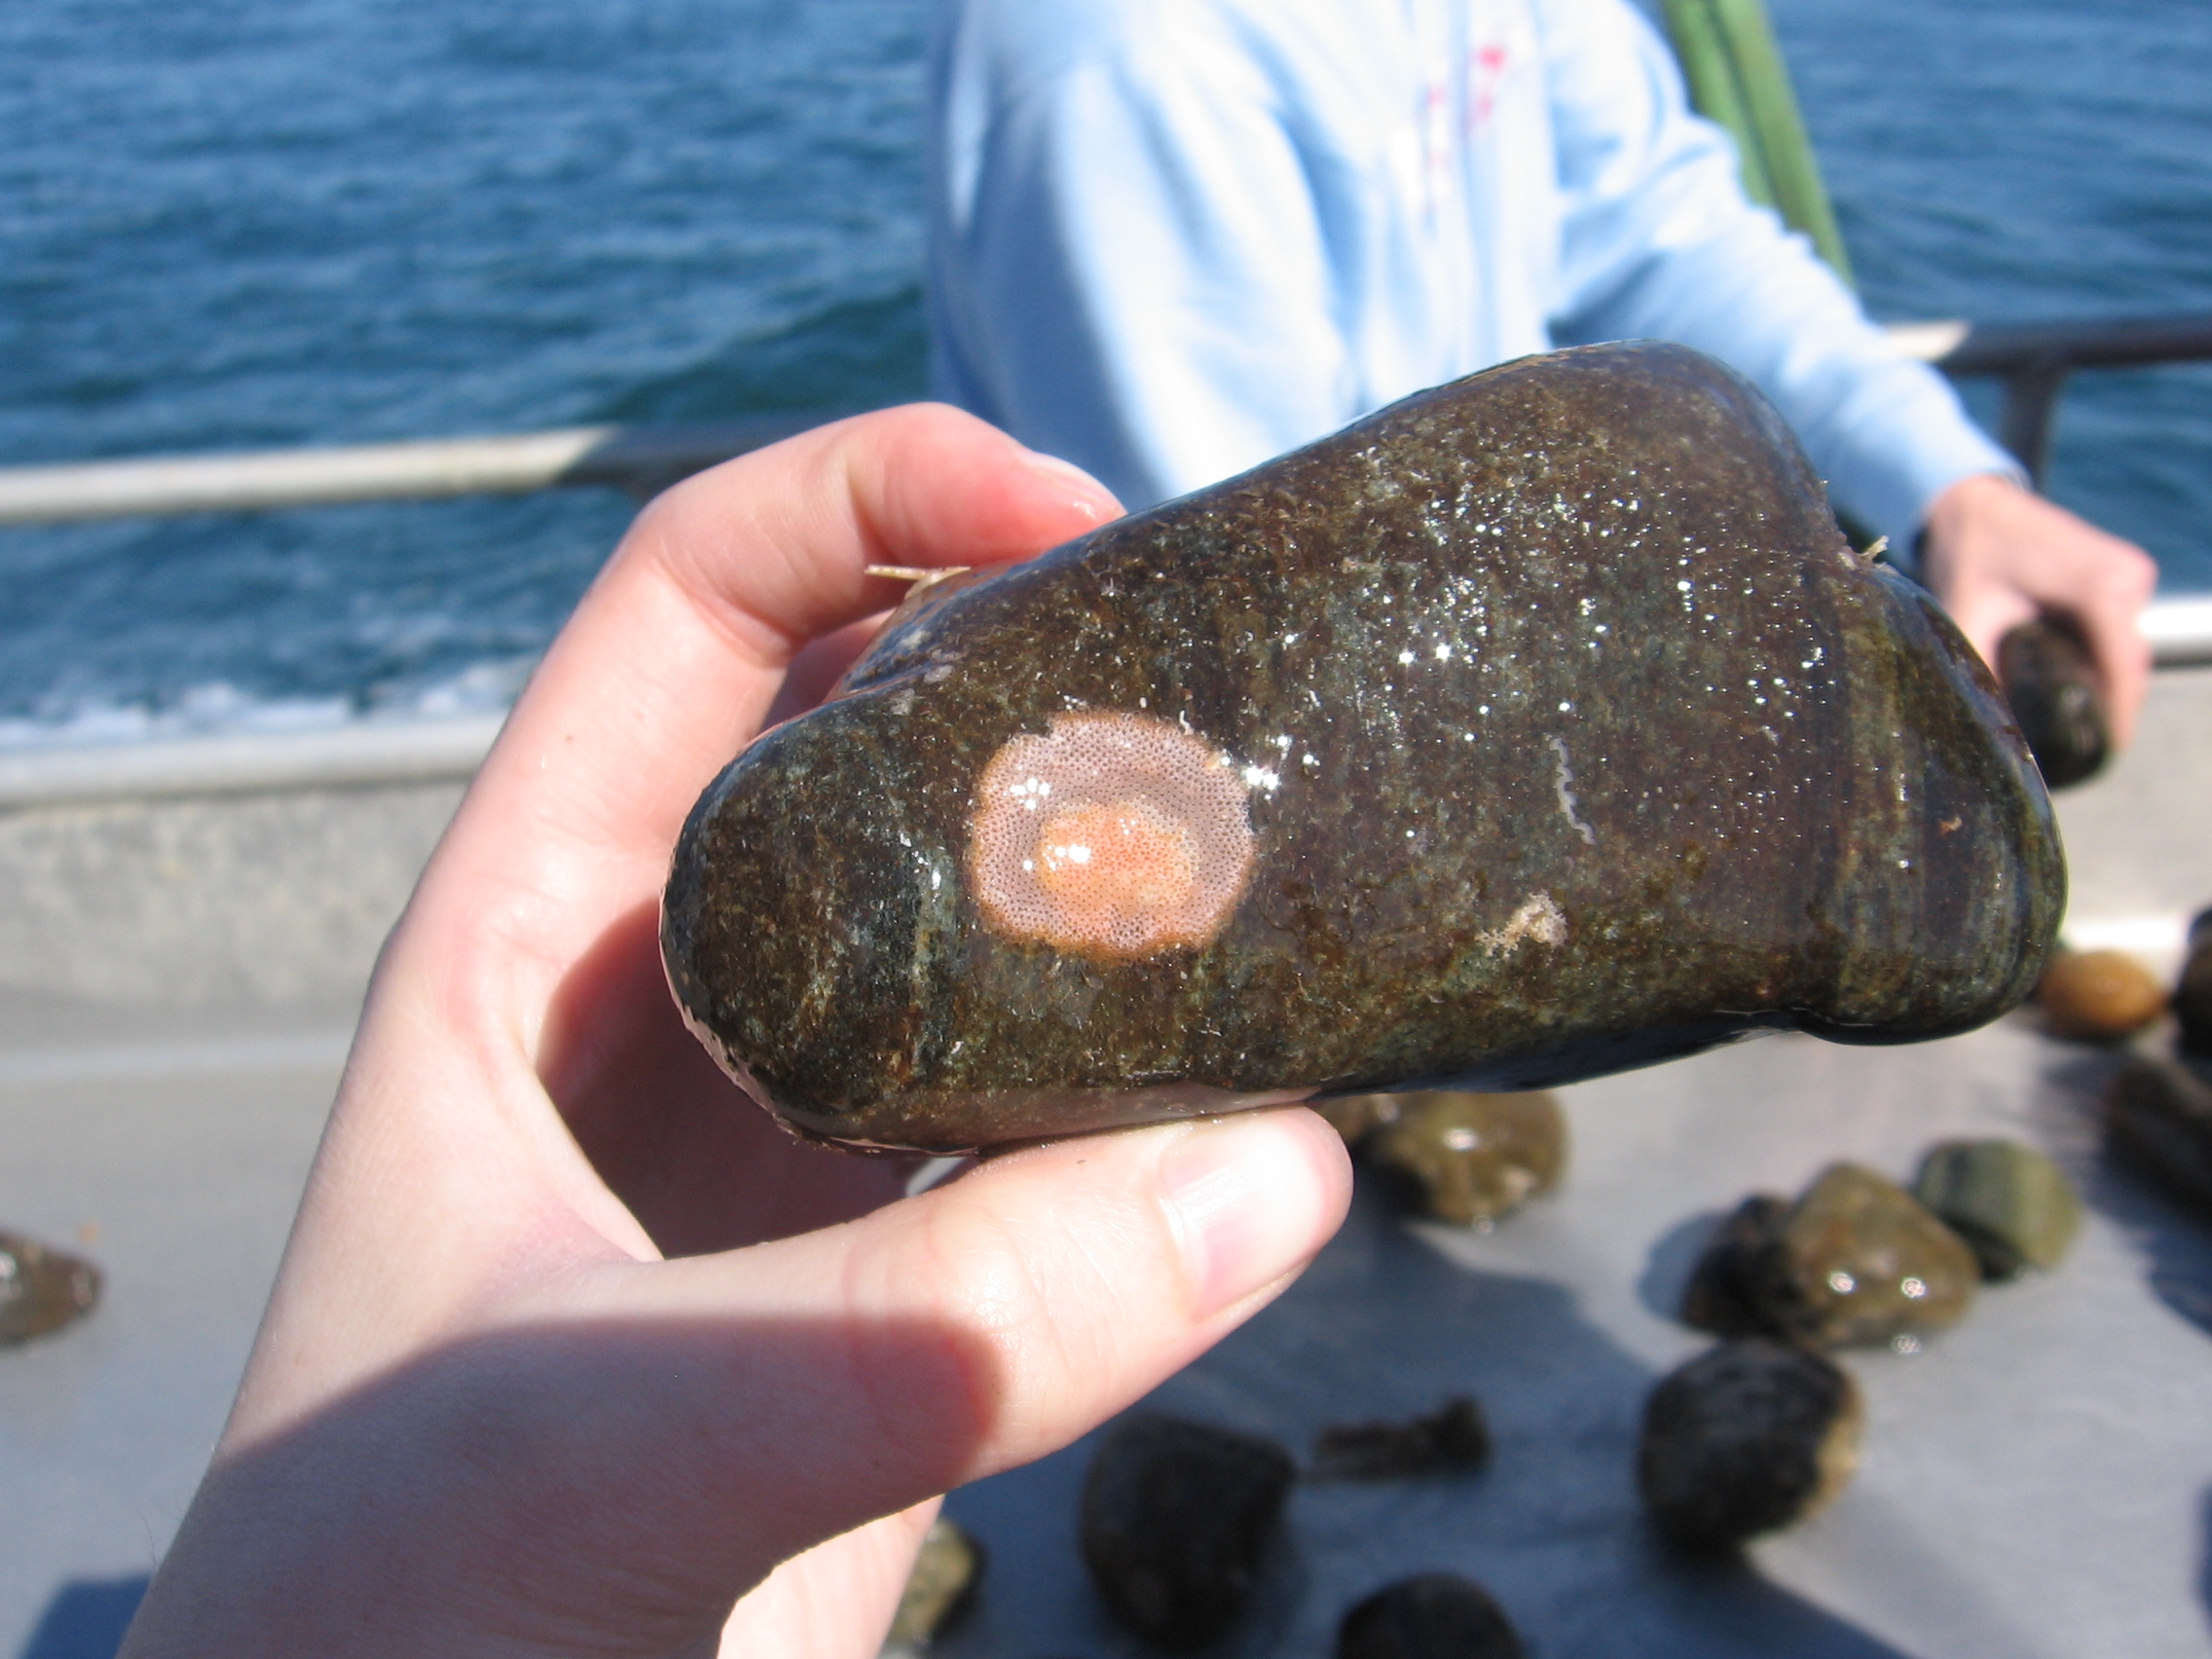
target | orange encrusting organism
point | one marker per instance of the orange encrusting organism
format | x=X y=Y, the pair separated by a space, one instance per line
x=1114 y=836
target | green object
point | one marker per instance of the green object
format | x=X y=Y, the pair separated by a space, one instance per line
x=2009 y=1203
x=1738 y=80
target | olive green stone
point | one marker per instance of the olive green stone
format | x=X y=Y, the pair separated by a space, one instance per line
x=1536 y=727
x=941 y=1589
x=1858 y=1260
x=1469 y=1159
x=1747 y=1438
x=2012 y=1205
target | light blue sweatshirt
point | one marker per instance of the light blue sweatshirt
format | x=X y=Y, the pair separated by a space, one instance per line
x=1171 y=239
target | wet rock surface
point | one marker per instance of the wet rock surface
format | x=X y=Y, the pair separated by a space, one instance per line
x=1177 y=1517
x=1854 y=1260
x=2012 y=1205
x=1437 y=1615
x=42 y=1290
x=2051 y=683
x=1747 y=1438
x=1567 y=735
x=1469 y=1159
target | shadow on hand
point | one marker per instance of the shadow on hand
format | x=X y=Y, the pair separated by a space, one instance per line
x=698 y=1162
x=608 y=1487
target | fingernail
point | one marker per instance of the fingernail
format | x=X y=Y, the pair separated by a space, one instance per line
x=1092 y=497
x=1249 y=1200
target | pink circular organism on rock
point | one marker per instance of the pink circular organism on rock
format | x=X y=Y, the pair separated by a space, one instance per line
x=1114 y=836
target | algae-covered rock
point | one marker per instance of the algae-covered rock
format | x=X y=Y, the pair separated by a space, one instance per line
x=1536 y=727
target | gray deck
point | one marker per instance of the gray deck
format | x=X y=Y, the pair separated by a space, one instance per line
x=177 y=980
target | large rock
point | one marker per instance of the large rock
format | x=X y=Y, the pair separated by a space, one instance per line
x=1536 y=727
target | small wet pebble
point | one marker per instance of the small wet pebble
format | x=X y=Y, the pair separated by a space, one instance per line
x=2051 y=683
x=1747 y=1438
x=1436 y=1615
x=2012 y=1205
x=1177 y=1517
x=1469 y=1159
x=42 y=1290
x=1857 y=1260
x=1453 y=1437
x=2098 y=996
x=941 y=1588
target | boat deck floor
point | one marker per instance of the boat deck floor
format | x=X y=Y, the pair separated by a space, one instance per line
x=2036 y=1482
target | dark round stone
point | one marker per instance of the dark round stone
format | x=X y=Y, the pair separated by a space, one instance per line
x=2052 y=686
x=1177 y=1517
x=1745 y=1439
x=1436 y=1615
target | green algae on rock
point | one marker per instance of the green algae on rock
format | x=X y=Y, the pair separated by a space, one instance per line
x=1536 y=727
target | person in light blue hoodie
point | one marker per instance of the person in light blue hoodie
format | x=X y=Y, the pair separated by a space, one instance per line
x=1171 y=239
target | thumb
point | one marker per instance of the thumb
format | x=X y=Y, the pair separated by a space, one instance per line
x=853 y=1372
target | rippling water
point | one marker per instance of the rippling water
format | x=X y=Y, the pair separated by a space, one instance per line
x=248 y=224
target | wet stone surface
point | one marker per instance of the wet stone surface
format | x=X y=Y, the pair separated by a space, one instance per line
x=42 y=1290
x=1468 y=1159
x=1536 y=727
x=1854 y=1260
x=1747 y=1438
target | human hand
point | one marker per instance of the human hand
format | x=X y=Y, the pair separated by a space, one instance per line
x=572 y=1348
x=1997 y=555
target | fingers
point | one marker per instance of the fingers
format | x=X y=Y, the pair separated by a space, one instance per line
x=674 y=657
x=1999 y=556
x=979 y=1326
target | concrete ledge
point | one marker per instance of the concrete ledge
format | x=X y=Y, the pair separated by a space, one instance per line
x=366 y=753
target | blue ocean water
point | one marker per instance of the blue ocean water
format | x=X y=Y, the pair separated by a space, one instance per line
x=255 y=223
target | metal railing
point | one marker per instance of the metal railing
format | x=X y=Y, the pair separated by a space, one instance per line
x=2033 y=361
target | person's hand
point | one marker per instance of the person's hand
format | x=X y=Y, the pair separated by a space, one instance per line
x=484 y=1414
x=1997 y=555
